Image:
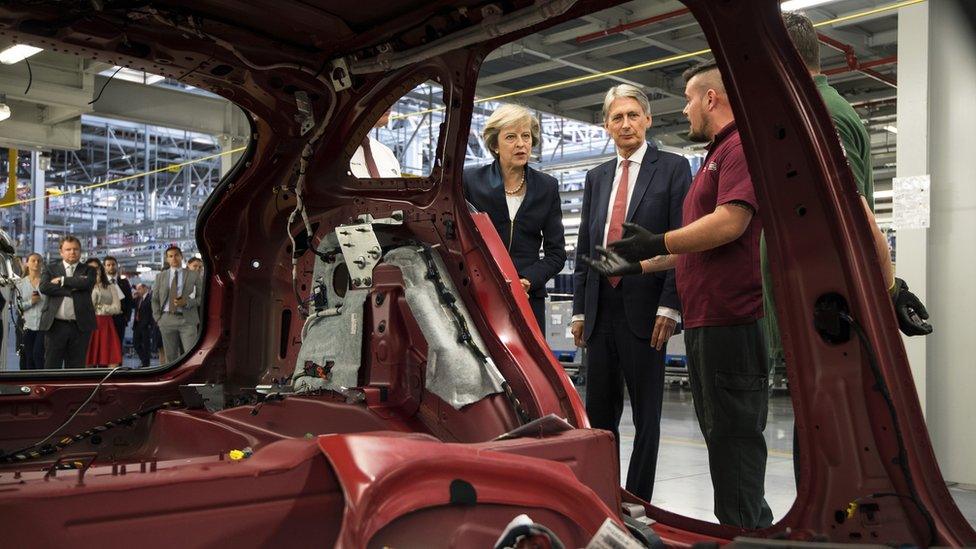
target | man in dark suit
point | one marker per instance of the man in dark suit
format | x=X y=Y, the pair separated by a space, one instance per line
x=69 y=316
x=143 y=325
x=114 y=277
x=625 y=322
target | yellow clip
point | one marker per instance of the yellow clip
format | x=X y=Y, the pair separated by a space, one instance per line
x=851 y=509
x=235 y=455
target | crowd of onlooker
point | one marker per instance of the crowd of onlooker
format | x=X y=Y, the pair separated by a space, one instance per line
x=74 y=314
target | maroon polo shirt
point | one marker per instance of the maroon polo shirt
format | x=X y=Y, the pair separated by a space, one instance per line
x=721 y=286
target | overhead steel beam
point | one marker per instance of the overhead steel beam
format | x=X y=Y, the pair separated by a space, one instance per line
x=658 y=107
x=520 y=72
x=561 y=53
x=884 y=38
x=57 y=81
x=534 y=102
x=161 y=106
x=62 y=87
x=594 y=23
x=22 y=130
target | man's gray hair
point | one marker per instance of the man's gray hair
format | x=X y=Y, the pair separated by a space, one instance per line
x=626 y=90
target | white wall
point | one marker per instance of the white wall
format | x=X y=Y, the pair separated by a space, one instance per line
x=951 y=349
x=912 y=158
x=949 y=247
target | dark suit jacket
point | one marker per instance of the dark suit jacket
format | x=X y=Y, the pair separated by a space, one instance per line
x=656 y=204
x=77 y=288
x=538 y=222
x=144 y=310
x=127 y=301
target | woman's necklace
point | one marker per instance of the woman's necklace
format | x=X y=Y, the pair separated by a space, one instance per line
x=518 y=189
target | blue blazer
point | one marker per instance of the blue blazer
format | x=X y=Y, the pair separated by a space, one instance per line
x=656 y=204
x=538 y=223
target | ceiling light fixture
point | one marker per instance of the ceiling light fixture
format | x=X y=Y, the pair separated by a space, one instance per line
x=4 y=109
x=891 y=129
x=796 y=5
x=17 y=53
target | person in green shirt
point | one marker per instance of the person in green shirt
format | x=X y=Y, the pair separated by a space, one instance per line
x=856 y=143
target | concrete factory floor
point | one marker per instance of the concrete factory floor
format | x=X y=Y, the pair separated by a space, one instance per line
x=682 y=481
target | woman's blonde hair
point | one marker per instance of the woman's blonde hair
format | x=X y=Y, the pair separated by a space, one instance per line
x=507 y=115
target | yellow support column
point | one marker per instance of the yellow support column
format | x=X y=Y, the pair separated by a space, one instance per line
x=11 y=195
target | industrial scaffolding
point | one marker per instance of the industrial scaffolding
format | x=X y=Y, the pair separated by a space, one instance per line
x=130 y=191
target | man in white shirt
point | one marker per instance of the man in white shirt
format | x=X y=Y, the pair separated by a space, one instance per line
x=176 y=298
x=373 y=159
x=625 y=322
x=69 y=315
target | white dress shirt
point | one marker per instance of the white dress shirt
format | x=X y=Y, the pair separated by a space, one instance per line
x=113 y=281
x=514 y=203
x=386 y=162
x=66 y=311
x=632 y=171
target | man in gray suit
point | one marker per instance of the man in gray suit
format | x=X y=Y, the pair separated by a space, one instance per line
x=176 y=299
x=69 y=316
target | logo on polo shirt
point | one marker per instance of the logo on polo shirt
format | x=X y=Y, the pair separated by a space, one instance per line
x=712 y=166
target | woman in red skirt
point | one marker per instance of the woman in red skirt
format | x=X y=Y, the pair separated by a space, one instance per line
x=104 y=347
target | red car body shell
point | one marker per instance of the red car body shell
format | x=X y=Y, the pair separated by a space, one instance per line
x=324 y=471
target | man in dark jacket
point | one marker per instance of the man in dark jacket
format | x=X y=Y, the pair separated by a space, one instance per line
x=115 y=277
x=143 y=325
x=625 y=322
x=69 y=316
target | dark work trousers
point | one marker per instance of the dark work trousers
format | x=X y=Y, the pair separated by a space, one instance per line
x=728 y=372
x=539 y=310
x=33 y=350
x=65 y=346
x=142 y=340
x=120 y=322
x=614 y=356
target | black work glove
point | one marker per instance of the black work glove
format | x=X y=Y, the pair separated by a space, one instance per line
x=638 y=243
x=609 y=263
x=910 y=311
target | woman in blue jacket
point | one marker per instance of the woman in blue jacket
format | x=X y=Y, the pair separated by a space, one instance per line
x=523 y=203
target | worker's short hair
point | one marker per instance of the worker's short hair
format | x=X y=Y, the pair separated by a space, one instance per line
x=173 y=247
x=804 y=38
x=699 y=68
x=194 y=260
x=711 y=77
x=507 y=115
x=625 y=90
x=69 y=238
x=110 y=258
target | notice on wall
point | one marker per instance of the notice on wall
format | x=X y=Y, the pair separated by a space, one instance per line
x=910 y=202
